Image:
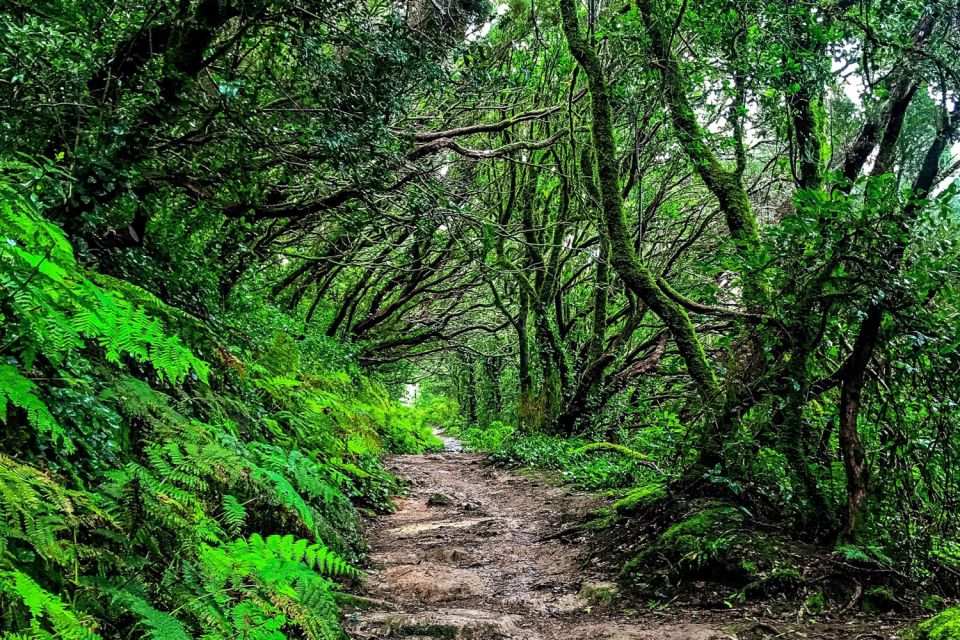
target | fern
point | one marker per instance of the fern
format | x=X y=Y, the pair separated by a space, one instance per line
x=869 y=554
x=21 y=392
x=257 y=621
x=234 y=515
x=283 y=571
x=46 y=614
x=126 y=507
x=57 y=304
x=159 y=625
x=36 y=510
x=258 y=552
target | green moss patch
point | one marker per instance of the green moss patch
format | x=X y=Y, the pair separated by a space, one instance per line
x=816 y=603
x=599 y=594
x=879 y=600
x=943 y=626
x=714 y=544
x=640 y=498
x=778 y=581
x=932 y=603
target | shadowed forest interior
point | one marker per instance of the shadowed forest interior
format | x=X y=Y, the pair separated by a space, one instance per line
x=699 y=259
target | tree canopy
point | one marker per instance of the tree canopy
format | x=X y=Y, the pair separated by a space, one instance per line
x=719 y=238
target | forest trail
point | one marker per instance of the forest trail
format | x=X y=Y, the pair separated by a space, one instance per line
x=468 y=554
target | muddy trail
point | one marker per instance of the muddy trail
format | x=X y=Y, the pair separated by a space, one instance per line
x=472 y=552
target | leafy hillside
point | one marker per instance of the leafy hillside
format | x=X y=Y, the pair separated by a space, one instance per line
x=157 y=480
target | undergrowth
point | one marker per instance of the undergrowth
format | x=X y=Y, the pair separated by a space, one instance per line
x=158 y=477
x=577 y=460
x=944 y=626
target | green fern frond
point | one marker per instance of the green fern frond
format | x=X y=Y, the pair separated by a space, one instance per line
x=21 y=392
x=55 y=301
x=234 y=515
x=159 y=624
x=46 y=612
x=36 y=509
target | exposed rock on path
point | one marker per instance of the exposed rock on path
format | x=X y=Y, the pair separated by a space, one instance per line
x=469 y=555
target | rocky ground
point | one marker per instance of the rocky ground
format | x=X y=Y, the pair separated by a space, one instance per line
x=473 y=552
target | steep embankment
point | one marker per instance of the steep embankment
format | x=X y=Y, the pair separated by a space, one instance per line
x=472 y=553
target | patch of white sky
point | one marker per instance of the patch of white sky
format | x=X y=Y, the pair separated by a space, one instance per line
x=410 y=394
x=850 y=82
x=477 y=32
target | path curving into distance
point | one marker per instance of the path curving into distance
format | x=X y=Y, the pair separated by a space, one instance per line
x=468 y=554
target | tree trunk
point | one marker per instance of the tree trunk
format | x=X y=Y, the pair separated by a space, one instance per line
x=851 y=393
x=624 y=259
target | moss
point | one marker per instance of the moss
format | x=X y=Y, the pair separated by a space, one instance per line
x=438 y=630
x=349 y=600
x=943 y=626
x=635 y=565
x=709 y=522
x=879 y=600
x=601 y=522
x=787 y=573
x=439 y=500
x=599 y=594
x=822 y=139
x=932 y=603
x=782 y=580
x=715 y=545
x=816 y=603
x=613 y=448
x=711 y=542
x=639 y=498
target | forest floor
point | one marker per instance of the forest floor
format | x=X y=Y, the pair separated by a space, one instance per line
x=473 y=552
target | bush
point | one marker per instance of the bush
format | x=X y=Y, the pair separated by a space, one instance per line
x=602 y=469
x=490 y=438
x=189 y=482
x=715 y=543
x=943 y=626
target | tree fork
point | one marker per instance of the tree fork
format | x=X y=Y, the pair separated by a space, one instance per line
x=623 y=257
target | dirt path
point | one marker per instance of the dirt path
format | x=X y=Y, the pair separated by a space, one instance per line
x=469 y=555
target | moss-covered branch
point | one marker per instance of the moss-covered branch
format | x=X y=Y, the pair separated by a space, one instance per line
x=624 y=259
x=723 y=183
x=610 y=447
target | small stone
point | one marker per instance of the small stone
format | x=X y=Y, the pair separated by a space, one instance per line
x=439 y=500
x=599 y=594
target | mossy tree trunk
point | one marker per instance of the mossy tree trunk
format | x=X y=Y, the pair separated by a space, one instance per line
x=725 y=184
x=624 y=258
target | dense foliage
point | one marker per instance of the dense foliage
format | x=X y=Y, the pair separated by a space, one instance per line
x=736 y=255
x=707 y=250
x=143 y=487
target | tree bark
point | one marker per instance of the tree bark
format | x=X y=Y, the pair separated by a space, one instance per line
x=624 y=259
x=868 y=336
